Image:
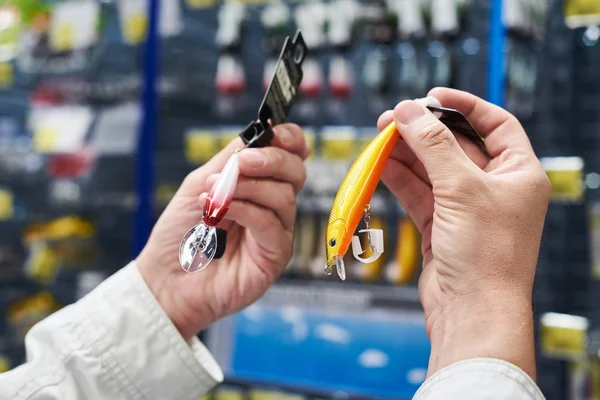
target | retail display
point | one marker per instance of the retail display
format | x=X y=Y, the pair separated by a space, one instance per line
x=74 y=86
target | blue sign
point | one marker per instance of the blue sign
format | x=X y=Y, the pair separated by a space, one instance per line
x=374 y=353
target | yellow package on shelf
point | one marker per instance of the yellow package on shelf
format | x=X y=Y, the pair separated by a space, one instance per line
x=338 y=143
x=4 y=364
x=136 y=26
x=564 y=335
x=45 y=139
x=63 y=38
x=7 y=75
x=403 y=268
x=201 y=146
x=229 y=134
x=582 y=12
x=311 y=140
x=7 y=209
x=200 y=3
x=228 y=394
x=566 y=176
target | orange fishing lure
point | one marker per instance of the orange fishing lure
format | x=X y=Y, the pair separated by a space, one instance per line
x=352 y=201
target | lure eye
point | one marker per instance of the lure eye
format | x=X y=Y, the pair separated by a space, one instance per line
x=204 y=213
x=332 y=242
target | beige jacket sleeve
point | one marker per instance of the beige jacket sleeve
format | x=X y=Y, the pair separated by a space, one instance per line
x=116 y=343
x=480 y=378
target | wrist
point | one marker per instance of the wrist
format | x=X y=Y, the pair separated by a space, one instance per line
x=157 y=280
x=479 y=327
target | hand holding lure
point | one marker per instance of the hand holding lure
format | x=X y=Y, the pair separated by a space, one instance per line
x=352 y=200
x=205 y=242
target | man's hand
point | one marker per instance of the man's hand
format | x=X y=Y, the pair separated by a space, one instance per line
x=481 y=222
x=260 y=230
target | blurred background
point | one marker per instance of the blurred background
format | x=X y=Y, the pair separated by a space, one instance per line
x=106 y=105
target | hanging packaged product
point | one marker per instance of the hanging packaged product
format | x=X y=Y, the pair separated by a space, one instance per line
x=26 y=312
x=200 y=145
x=411 y=23
x=582 y=13
x=231 y=21
x=341 y=77
x=205 y=241
x=9 y=32
x=275 y=20
x=338 y=143
x=342 y=17
x=133 y=16
x=402 y=269
x=445 y=17
x=566 y=177
x=60 y=129
x=563 y=336
x=7 y=207
x=74 y=25
x=230 y=77
x=379 y=23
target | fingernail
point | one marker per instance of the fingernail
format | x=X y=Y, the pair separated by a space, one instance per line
x=409 y=112
x=285 y=135
x=253 y=157
x=429 y=101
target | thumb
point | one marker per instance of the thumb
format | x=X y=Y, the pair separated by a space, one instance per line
x=431 y=141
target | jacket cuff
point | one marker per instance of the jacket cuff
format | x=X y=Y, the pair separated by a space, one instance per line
x=480 y=378
x=138 y=344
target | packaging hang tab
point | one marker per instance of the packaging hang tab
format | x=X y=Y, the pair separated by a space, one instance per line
x=457 y=122
x=280 y=95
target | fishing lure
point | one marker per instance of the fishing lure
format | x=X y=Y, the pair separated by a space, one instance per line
x=351 y=203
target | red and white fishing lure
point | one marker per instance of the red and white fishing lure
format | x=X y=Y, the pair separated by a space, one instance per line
x=199 y=244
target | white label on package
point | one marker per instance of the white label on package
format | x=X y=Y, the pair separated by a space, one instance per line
x=61 y=129
x=134 y=18
x=74 y=25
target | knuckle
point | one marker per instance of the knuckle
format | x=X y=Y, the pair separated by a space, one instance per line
x=303 y=175
x=278 y=158
x=290 y=197
x=435 y=134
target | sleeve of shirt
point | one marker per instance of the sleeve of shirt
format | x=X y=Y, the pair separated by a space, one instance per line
x=115 y=343
x=480 y=378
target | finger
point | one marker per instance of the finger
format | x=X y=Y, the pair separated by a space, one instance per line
x=287 y=136
x=270 y=194
x=404 y=154
x=290 y=137
x=415 y=195
x=385 y=119
x=432 y=142
x=500 y=128
x=275 y=163
x=272 y=239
